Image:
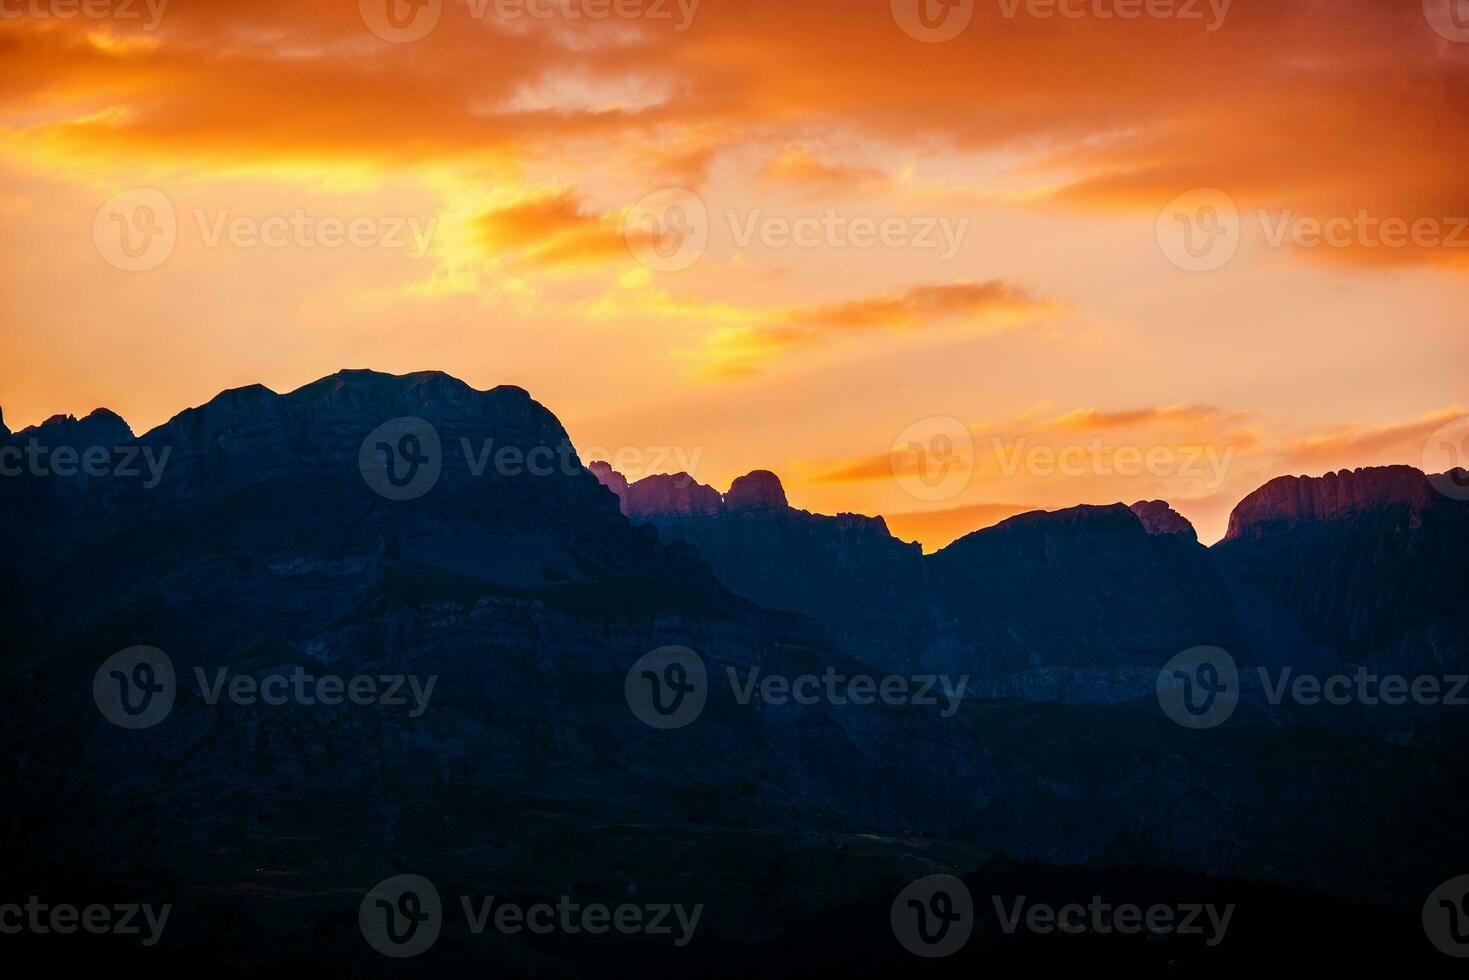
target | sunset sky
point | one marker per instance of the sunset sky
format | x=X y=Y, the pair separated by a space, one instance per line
x=1026 y=286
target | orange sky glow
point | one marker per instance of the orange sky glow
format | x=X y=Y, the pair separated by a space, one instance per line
x=970 y=245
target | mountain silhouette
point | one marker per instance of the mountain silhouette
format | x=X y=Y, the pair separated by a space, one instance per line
x=301 y=531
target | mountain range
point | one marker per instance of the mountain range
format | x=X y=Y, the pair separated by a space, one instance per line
x=268 y=543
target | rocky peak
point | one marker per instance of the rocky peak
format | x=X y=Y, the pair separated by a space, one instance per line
x=103 y=427
x=1291 y=501
x=1159 y=518
x=609 y=478
x=759 y=490
x=670 y=495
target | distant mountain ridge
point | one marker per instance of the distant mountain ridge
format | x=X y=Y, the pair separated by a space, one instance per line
x=1027 y=602
x=268 y=547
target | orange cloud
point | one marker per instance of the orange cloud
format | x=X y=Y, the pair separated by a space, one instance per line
x=740 y=351
x=1360 y=444
x=1087 y=419
x=798 y=165
x=553 y=231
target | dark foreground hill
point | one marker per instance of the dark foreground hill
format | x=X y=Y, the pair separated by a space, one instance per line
x=370 y=526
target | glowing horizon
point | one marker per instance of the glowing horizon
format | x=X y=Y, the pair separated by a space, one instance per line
x=897 y=237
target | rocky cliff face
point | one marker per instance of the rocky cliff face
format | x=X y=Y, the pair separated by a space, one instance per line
x=846 y=572
x=1290 y=502
x=1373 y=564
x=1159 y=518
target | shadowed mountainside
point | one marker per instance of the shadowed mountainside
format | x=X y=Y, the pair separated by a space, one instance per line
x=268 y=545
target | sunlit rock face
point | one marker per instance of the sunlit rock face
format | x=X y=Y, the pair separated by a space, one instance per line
x=1289 y=502
x=1372 y=564
x=1159 y=518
